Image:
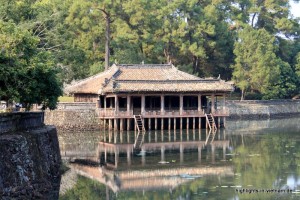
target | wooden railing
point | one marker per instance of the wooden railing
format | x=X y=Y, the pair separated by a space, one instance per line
x=152 y=113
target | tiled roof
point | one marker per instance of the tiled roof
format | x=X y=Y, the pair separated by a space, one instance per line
x=91 y=85
x=153 y=72
x=146 y=78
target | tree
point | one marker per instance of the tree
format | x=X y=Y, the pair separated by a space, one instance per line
x=26 y=73
x=258 y=69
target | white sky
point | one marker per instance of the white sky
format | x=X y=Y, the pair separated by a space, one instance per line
x=295 y=8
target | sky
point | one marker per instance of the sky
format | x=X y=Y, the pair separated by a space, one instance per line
x=295 y=8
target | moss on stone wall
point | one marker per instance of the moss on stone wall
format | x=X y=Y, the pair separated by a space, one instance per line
x=29 y=164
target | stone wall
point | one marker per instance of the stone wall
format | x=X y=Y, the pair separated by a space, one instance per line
x=73 y=116
x=20 y=121
x=263 y=109
x=29 y=159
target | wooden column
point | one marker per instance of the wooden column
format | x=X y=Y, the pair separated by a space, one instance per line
x=110 y=124
x=213 y=103
x=180 y=135
x=199 y=134
x=128 y=137
x=162 y=104
x=174 y=124
x=149 y=136
x=115 y=124
x=194 y=124
x=199 y=123
x=187 y=123
x=128 y=105
x=109 y=136
x=115 y=137
x=187 y=134
x=180 y=123
x=143 y=104
x=116 y=104
x=105 y=105
x=199 y=104
x=104 y=124
x=121 y=135
x=174 y=135
x=149 y=123
x=180 y=104
x=121 y=124
x=194 y=135
x=128 y=124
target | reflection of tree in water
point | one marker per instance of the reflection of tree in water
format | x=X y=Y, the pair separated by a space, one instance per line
x=265 y=161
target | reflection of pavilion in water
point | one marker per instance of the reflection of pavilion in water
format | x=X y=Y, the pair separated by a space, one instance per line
x=167 y=159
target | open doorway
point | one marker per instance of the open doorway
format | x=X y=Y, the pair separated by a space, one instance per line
x=136 y=105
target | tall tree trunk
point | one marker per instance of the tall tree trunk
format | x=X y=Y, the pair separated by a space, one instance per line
x=107 y=40
x=195 y=64
x=107 y=36
x=167 y=55
x=243 y=95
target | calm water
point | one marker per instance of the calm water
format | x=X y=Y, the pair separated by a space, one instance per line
x=247 y=160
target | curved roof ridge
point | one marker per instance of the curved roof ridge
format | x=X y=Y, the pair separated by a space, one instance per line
x=144 y=65
x=168 y=81
x=94 y=76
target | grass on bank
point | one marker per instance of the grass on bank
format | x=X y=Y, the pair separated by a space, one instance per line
x=65 y=99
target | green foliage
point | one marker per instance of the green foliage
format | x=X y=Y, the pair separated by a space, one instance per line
x=26 y=74
x=258 y=68
x=259 y=39
x=253 y=96
x=85 y=189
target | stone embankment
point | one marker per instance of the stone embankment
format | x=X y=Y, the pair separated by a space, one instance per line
x=263 y=109
x=29 y=159
x=73 y=116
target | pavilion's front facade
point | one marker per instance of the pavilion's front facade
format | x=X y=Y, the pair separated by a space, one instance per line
x=164 y=96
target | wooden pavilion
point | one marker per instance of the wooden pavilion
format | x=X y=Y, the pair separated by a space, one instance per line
x=153 y=96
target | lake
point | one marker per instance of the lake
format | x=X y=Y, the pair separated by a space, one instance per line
x=247 y=160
